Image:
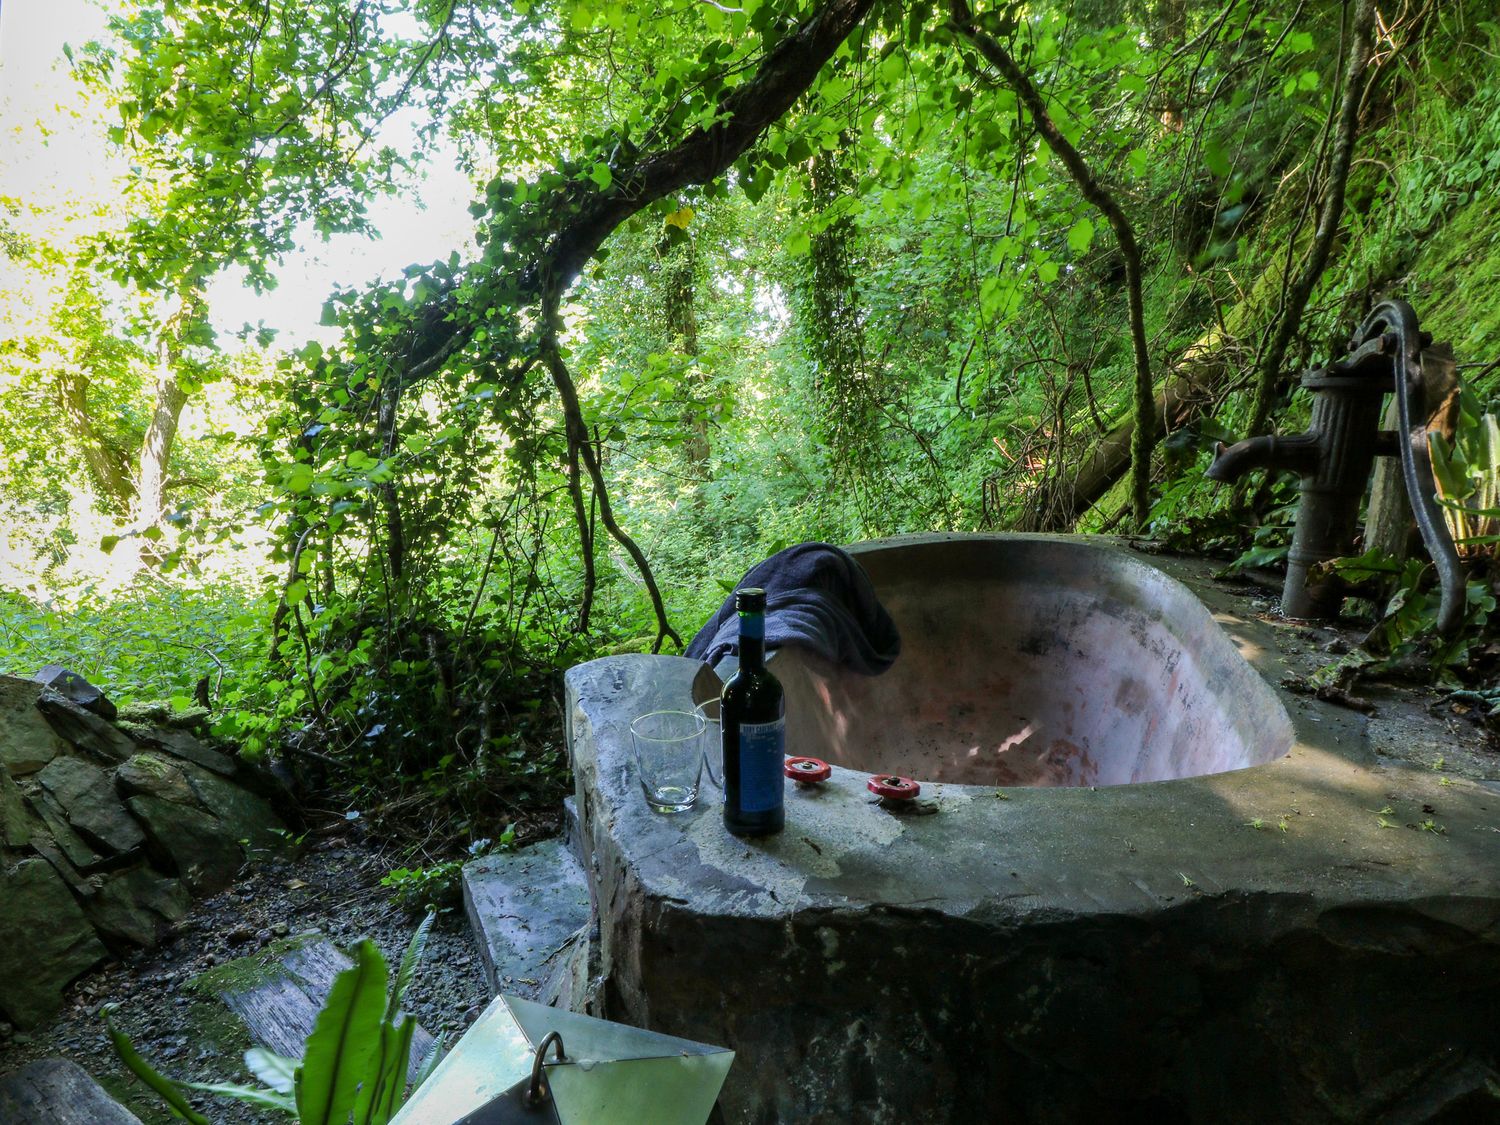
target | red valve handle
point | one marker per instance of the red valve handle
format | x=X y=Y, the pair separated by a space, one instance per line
x=893 y=788
x=809 y=771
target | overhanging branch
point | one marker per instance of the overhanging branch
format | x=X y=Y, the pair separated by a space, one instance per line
x=592 y=214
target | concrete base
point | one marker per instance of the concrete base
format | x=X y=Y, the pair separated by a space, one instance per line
x=58 y=1092
x=1316 y=938
x=526 y=909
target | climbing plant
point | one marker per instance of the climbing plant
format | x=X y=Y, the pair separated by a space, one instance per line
x=741 y=275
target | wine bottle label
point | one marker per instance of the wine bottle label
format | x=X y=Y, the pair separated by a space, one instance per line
x=762 y=762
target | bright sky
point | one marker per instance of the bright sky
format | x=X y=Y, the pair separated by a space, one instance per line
x=52 y=149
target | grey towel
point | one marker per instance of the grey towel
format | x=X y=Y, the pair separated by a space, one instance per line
x=817 y=597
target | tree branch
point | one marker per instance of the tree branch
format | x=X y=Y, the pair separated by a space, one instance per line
x=749 y=110
x=584 y=448
x=1328 y=219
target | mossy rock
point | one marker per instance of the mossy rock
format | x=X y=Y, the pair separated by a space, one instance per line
x=161 y=713
x=246 y=973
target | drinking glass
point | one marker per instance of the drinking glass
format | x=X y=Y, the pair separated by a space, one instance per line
x=669 y=758
x=713 y=745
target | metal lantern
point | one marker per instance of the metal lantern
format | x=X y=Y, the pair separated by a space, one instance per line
x=526 y=1062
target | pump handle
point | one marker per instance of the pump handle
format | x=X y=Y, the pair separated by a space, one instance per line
x=1416 y=464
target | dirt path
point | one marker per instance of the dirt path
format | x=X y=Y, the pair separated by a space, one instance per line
x=333 y=887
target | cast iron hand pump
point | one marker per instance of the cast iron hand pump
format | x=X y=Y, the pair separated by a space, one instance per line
x=1334 y=458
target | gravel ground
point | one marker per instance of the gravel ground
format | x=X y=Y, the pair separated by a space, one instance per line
x=332 y=887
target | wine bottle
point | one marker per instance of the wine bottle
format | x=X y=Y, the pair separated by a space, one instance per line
x=752 y=724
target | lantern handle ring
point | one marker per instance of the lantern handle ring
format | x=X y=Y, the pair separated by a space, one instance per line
x=538 y=1093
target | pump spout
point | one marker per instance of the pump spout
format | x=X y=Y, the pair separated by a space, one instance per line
x=1298 y=454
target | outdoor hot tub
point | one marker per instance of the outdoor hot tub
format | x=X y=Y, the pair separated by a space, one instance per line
x=1036 y=661
x=1143 y=879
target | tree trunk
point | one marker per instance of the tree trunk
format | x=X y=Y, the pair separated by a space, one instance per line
x=539 y=273
x=161 y=434
x=1182 y=398
x=106 y=464
x=1194 y=383
x=156 y=449
x=849 y=417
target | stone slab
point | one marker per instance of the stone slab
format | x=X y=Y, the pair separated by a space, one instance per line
x=47 y=848
x=1165 y=949
x=278 y=994
x=569 y=983
x=134 y=907
x=58 y=1092
x=16 y=824
x=88 y=799
x=183 y=744
x=155 y=776
x=573 y=828
x=243 y=815
x=84 y=729
x=45 y=942
x=525 y=908
x=81 y=854
x=189 y=841
x=70 y=685
x=27 y=740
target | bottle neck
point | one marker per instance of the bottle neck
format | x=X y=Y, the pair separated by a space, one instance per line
x=752 y=641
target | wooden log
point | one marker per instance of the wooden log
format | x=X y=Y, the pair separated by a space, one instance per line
x=278 y=997
x=58 y=1092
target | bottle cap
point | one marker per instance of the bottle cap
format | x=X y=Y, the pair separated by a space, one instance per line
x=750 y=599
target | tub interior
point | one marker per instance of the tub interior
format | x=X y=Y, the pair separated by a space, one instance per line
x=1032 y=661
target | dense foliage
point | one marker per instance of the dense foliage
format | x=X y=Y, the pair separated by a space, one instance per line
x=745 y=275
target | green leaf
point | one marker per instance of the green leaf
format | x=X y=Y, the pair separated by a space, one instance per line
x=1216 y=159
x=1080 y=236
x=344 y=1046
x=799 y=244
x=1452 y=481
x=407 y=970
x=1139 y=160
x=429 y=1064
x=1047 y=271
x=296 y=477
x=384 y=1091
x=399 y=1062
x=296 y=592
x=165 y=1089
x=602 y=176
x=250 y=1095
x=108 y=543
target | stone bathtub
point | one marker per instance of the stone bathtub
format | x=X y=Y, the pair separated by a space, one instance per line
x=1144 y=882
x=1036 y=661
